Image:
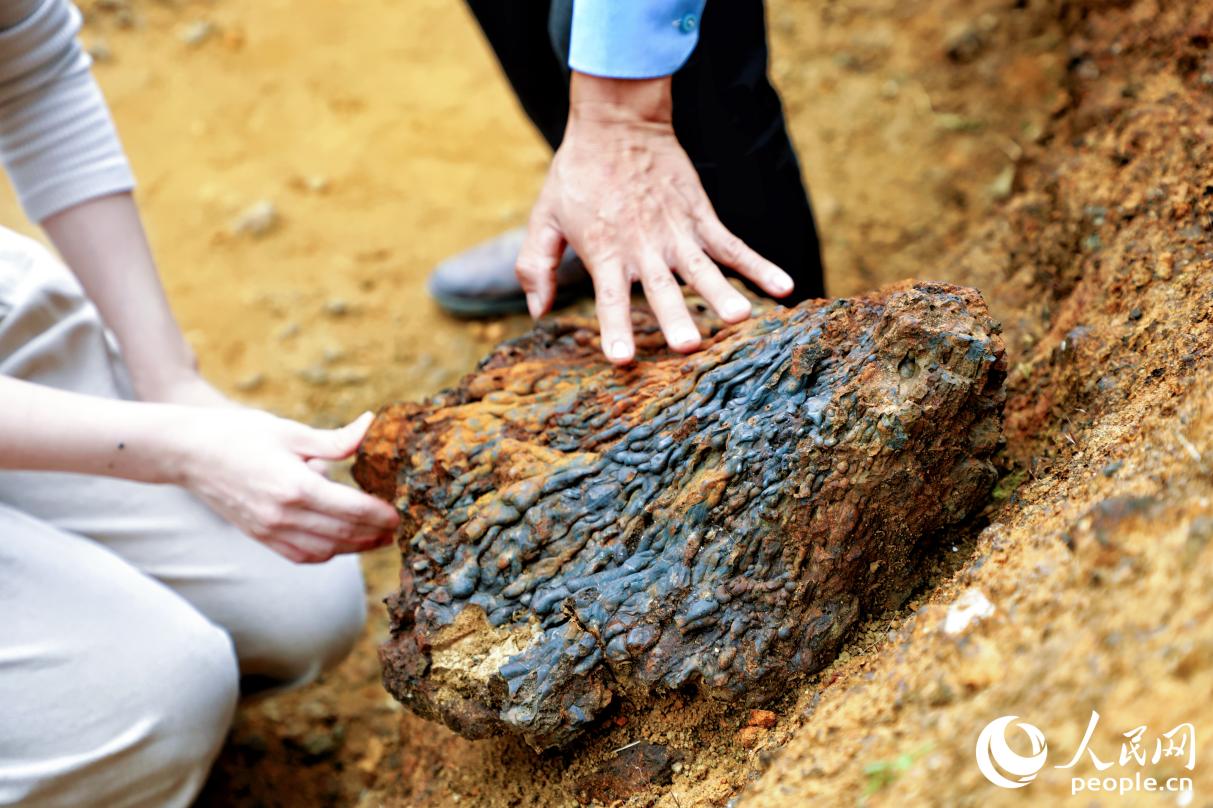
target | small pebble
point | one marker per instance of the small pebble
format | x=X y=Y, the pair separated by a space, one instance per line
x=971 y=606
x=1166 y=266
x=195 y=33
x=762 y=718
x=250 y=383
x=100 y=51
x=256 y=220
x=749 y=737
x=315 y=376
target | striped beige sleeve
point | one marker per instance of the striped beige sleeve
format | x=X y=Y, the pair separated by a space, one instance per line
x=57 y=139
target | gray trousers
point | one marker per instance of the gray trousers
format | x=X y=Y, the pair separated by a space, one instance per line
x=129 y=613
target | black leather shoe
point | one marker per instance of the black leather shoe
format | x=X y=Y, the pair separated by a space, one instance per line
x=480 y=282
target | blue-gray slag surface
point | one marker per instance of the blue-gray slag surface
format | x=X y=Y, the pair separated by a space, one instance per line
x=578 y=536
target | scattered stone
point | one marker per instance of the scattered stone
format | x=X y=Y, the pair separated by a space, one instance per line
x=251 y=382
x=966 y=44
x=320 y=376
x=311 y=183
x=348 y=377
x=369 y=762
x=955 y=122
x=321 y=744
x=315 y=375
x=257 y=220
x=100 y=51
x=1166 y=266
x=575 y=533
x=197 y=32
x=288 y=330
x=749 y=737
x=972 y=605
x=494 y=331
x=762 y=718
x=1003 y=184
x=631 y=770
x=337 y=307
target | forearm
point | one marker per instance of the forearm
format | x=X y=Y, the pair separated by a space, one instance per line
x=44 y=429
x=103 y=242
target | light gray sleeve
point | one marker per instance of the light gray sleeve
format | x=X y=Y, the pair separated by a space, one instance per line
x=57 y=140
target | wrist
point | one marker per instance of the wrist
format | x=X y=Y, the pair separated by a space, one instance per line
x=597 y=100
x=170 y=444
x=156 y=378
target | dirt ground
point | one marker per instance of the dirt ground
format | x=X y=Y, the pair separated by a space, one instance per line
x=1055 y=155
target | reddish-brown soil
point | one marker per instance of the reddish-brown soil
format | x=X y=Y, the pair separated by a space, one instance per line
x=1054 y=154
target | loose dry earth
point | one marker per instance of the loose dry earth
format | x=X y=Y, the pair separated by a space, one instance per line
x=1055 y=155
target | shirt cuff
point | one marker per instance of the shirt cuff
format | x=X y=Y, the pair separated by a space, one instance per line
x=633 y=39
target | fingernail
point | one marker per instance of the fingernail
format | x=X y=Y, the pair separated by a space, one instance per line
x=617 y=350
x=783 y=284
x=685 y=336
x=533 y=305
x=737 y=309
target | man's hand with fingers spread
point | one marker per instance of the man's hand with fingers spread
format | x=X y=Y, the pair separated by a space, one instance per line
x=624 y=194
x=253 y=469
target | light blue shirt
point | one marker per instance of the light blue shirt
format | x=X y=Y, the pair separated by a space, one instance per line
x=633 y=39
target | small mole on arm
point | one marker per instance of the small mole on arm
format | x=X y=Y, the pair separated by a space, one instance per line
x=121 y=446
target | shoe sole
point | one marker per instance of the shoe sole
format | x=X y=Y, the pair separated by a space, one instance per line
x=472 y=308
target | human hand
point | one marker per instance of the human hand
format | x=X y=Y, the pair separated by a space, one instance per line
x=252 y=468
x=190 y=389
x=622 y=191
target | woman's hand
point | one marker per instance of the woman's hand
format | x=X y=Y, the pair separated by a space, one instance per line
x=249 y=466
x=252 y=468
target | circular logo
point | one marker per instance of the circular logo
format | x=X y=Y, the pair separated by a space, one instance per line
x=993 y=754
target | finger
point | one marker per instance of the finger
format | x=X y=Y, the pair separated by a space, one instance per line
x=537 y=261
x=354 y=536
x=613 y=302
x=329 y=444
x=302 y=548
x=665 y=296
x=702 y=275
x=731 y=251
x=321 y=467
x=344 y=503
